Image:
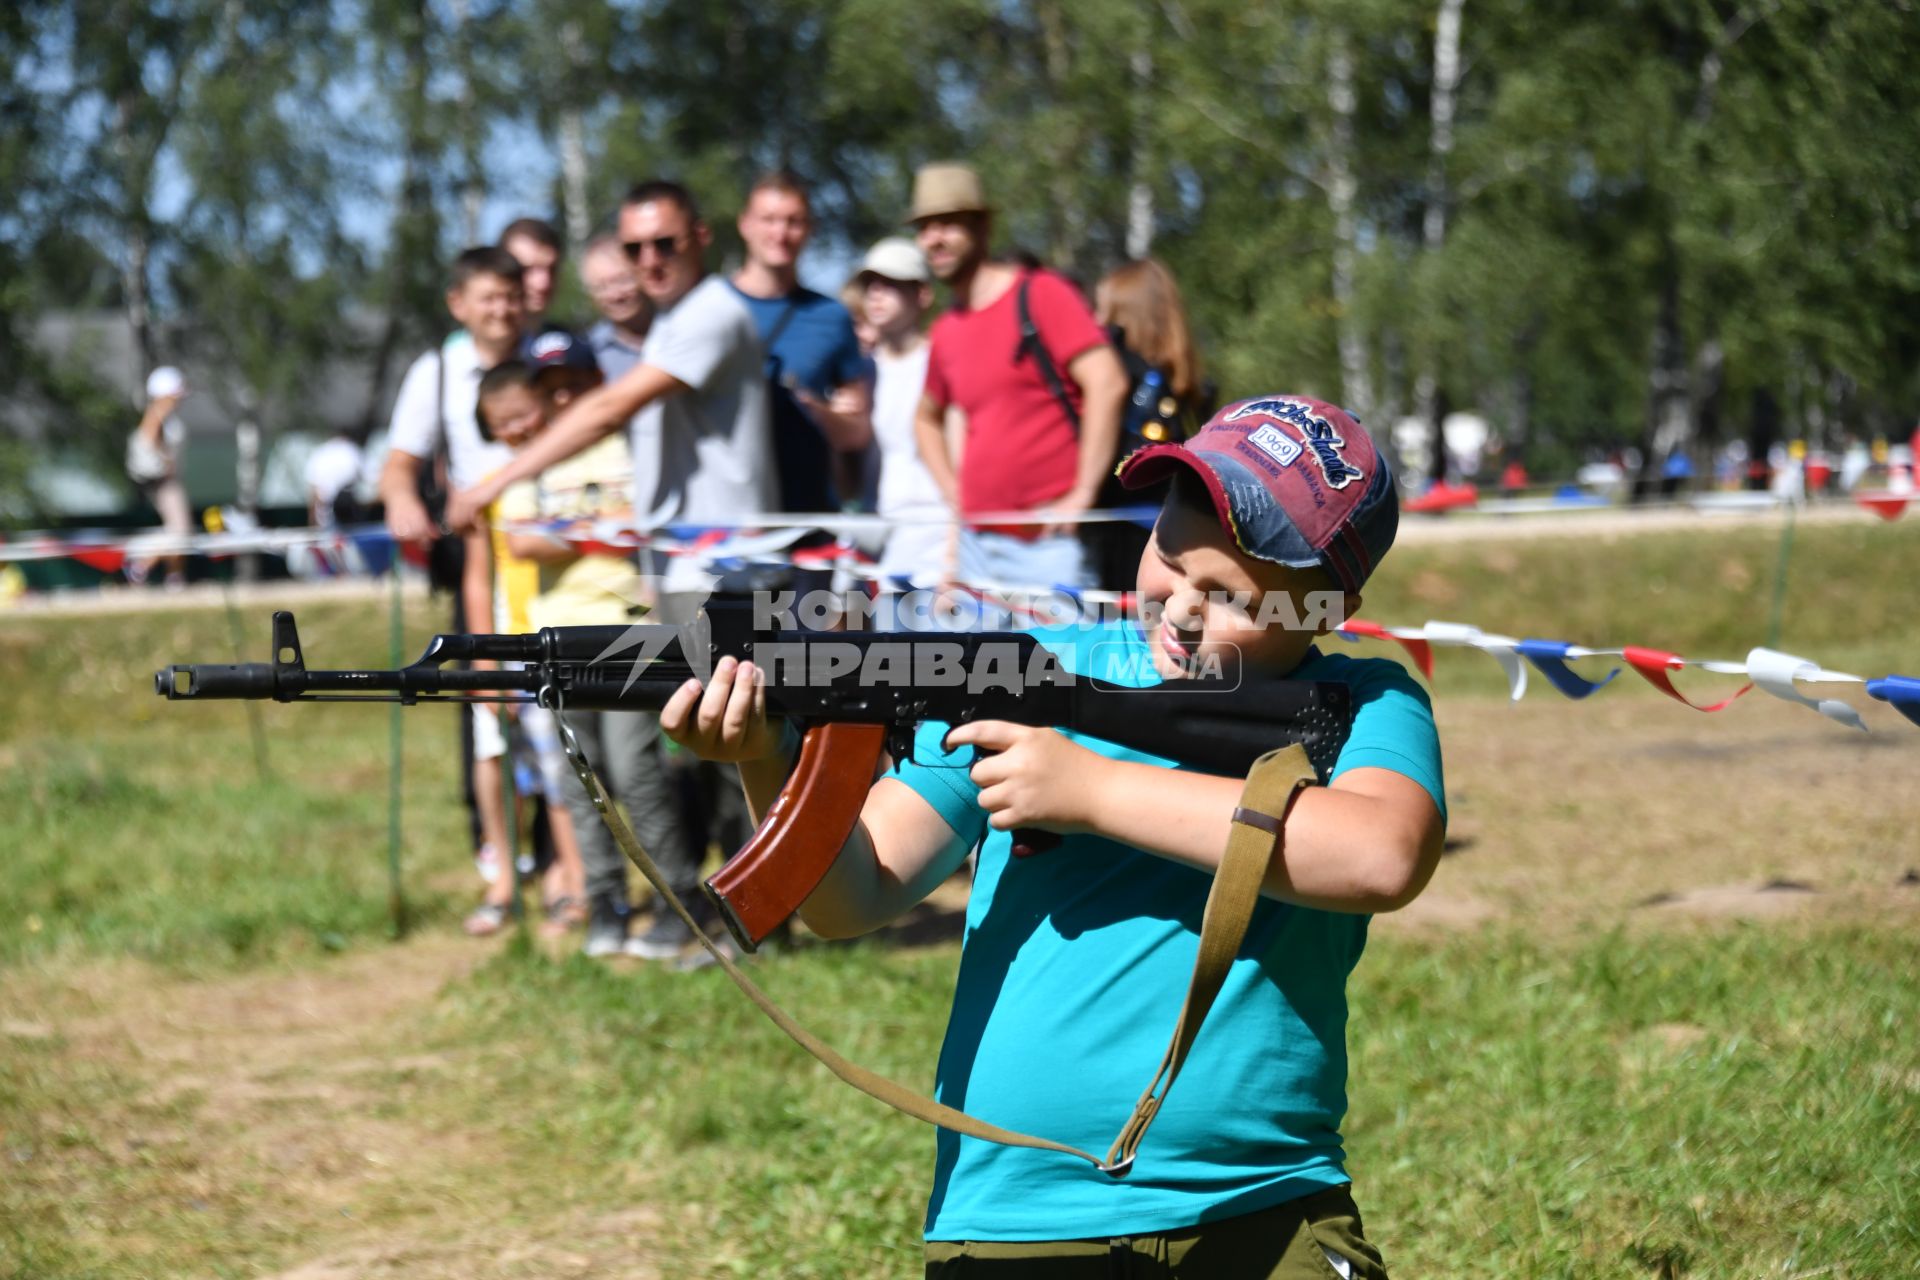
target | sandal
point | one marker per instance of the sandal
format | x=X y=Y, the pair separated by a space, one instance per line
x=488 y=919
x=564 y=914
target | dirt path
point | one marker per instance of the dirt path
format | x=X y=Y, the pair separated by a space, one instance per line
x=295 y=1099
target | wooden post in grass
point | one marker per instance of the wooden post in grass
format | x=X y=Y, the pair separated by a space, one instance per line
x=510 y=800
x=235 y=632
x=396 y=895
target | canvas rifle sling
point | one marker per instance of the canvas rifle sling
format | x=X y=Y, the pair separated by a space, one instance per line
x=1271 y=785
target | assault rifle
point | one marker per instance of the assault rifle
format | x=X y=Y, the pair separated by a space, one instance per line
x=852 y=694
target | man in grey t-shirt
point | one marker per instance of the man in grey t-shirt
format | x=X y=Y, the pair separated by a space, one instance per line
x=699 y=389
x=716 y=448
x=697 y=408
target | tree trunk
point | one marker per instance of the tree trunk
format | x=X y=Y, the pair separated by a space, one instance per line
x=1433 y=223
x=1355 y=381
x=1709 y=385
x=473 y=189
x=1669 y=413
x=410 y=215
x=573 y=143
x=1140 y=161
x=135 y=268
x=1066 y=225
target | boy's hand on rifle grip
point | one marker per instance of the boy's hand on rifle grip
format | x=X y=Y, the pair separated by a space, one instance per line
x=727 y=719
x=1030 y=776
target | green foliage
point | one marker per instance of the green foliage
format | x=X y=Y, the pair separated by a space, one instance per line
x=1656 y=204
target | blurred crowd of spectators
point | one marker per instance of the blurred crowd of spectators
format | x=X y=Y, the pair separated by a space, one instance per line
x=701 y=398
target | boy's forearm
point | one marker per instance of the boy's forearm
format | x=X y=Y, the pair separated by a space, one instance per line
x=1343 y=851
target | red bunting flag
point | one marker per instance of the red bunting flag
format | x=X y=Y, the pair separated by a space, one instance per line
x=1888 y=506
x=1654 y=665
x=105 y=559
x=1419 y=650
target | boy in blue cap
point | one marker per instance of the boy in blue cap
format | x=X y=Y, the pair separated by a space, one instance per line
x=1280 y=506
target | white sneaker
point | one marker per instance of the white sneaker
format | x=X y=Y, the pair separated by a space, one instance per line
x=599 y=945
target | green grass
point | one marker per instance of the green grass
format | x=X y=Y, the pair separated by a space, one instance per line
x=1725 y=1104
x=1518 y=1107
x=142 y=827
x=1702 y=1101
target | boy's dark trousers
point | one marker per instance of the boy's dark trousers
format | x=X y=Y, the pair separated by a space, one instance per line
x=1305 y=1239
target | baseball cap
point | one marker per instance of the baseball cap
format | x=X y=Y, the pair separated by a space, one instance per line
x=940 y=189
x=895 y=258
x=166 y=381
x=558 y=349
x=1296 y=481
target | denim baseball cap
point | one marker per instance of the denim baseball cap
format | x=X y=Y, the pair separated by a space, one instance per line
x=1296 y=482
x=558 y=349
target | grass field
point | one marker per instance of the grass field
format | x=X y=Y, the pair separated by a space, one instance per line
x=1600 y=1045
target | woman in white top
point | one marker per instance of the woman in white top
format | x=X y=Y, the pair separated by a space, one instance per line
x=895 y=289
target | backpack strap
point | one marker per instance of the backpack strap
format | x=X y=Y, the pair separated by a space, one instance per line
x=1031 y=347
x=780 y=326
x=1258 y=823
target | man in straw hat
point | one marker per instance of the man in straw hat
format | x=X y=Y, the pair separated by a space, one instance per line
x=1020 y=352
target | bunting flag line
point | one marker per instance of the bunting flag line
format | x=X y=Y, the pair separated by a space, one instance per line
x=1550 y=658
x=1414 y=642
x=1777 y=673
x=1902 y=693
x=699 y=549
x=1886 y=504
x=1502 y=649
x=1655 y=663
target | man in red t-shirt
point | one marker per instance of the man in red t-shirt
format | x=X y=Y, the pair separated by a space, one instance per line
x=1024 y=450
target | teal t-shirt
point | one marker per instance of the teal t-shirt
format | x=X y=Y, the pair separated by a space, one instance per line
x=1073 y=969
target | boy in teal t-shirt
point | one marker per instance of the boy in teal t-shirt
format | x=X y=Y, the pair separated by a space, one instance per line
x=1072 y=958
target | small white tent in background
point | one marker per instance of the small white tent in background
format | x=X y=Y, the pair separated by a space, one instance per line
x=1463 y=435
x=1413 y=449
x=1466 y=436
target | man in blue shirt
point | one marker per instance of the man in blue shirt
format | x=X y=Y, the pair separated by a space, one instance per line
x=822 y=386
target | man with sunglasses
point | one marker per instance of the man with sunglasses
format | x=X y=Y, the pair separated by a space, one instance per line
x=696 y=404
x=696 y=408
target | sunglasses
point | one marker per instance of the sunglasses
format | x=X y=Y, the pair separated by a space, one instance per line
x=664 y=247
